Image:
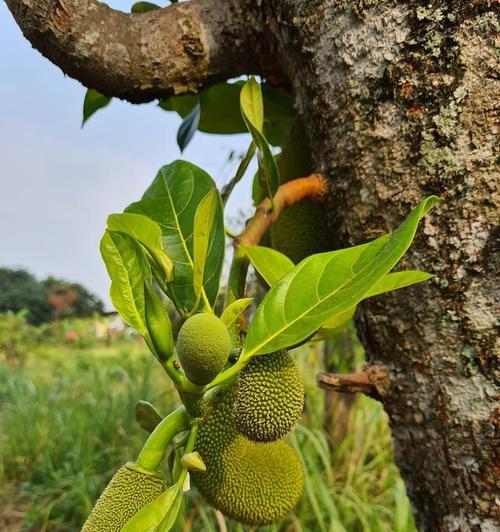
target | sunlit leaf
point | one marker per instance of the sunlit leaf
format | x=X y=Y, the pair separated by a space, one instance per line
x=93 y=101
x=148 y=233
x=128 y=269
x=220 y=110
x=392 y=281
x=158 y=324
x=233 y=311
x=253 y=115
x=204 y=220
x=325 y=285
x=172 y=200
x=271 y=264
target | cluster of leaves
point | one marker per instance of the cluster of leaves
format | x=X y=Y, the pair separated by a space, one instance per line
x=174 y=238
x=20 y=290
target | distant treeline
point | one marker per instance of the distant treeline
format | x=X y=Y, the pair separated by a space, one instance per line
x=47 y=299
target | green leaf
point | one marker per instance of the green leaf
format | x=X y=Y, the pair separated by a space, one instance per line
x=220 y=110
x=172 y=200
x=149 y=518
x=148 y=233
x=271 y=264
x=188 y=127
x=143 y=7
x=170 y=517
x=392 y=281
x=252 y=105
x=93 y=101
x=128 y=269
x=233 y=311
x=204 y=219
x=253 y=115
x=147 y=416
x=325 y=285
x=158 y=324
x=226 y=191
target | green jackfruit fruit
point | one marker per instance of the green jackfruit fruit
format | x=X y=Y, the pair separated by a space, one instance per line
x=130 y=489
x=203 y=345
x=300 y=230
x=270 y=397
x=254 y=483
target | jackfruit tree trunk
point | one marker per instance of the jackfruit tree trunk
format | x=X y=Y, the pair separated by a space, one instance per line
x=399 y=101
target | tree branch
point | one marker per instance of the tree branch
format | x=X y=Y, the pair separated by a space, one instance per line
x=374 y=381
x=313 y=187
x=140 y=57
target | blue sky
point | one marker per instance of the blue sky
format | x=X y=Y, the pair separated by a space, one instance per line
x=59 y=182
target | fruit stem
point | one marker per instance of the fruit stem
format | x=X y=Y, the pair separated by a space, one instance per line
x=153 y=450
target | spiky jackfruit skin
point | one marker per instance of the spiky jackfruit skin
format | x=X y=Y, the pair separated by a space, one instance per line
x=300 y=230
x=203 y=345
x=270 y=397
x=252 y=483
x=127 y=492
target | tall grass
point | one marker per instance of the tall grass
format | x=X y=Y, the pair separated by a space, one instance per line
x=67 y=421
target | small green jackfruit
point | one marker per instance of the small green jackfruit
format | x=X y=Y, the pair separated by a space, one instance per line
x=130 y=489
x=301 y=229
x=203 y=345
x=254 y=483
x=270 y=397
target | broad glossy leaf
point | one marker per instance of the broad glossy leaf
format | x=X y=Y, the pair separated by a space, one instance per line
x=128 y=269
x=253 y=115
x=93 y=101
x=148 y=233
x=188 y=127
x=172 y=200
x=271 y=264
x=233 y=311
x=149 y=518
x=204 y=220
x=143 y=7
x=220 y=110
x=325 y=285
x=392 y=281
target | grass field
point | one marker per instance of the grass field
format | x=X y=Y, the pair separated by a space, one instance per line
x=67 y=418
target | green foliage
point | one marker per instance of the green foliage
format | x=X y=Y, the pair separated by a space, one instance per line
x=252 y=111
x=220 y=110
x=324 y=286
x=188 y=127
x=144 y=7
x=127 y=268
x=92 y=102
x=172 y=201
x=252 y=483
x=19 y=290
x=269 y=399
x=203 y=345
x=269 y=263
x=127 y=492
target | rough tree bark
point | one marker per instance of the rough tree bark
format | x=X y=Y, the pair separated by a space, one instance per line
x=399 y=100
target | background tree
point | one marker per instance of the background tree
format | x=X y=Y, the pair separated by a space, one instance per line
x=398 y=102
x=45 y=300
x=20 y=290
